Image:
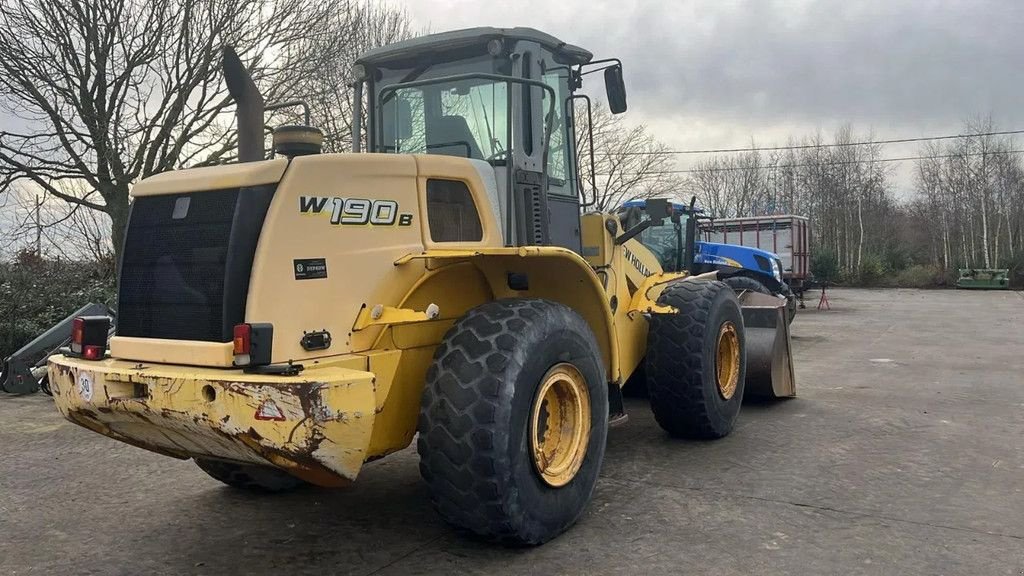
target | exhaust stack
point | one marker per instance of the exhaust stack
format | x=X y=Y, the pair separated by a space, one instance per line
x=249 y=103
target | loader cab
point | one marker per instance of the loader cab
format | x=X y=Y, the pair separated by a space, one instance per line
x=502 y=99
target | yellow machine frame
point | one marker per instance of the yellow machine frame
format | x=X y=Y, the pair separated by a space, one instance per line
x=390 y=298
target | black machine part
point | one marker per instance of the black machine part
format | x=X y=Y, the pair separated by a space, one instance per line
x=18 y=375
x=657 y=210
x=691 y=236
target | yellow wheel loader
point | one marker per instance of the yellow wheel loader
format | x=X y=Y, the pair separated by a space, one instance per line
x=283 y=321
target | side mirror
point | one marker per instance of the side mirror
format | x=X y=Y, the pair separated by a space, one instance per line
x=615 y=88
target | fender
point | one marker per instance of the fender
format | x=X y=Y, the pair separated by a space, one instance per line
x=548 y=272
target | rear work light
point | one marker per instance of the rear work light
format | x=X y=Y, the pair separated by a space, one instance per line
x=252 y=344
x=89 y=337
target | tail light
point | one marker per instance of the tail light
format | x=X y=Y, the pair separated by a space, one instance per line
x=243 y=344
x=89 y=337
x=252 y=344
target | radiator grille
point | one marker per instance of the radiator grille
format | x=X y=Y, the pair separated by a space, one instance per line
x=174 y=267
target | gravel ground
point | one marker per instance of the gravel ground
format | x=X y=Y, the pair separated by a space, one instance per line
x=902 y=455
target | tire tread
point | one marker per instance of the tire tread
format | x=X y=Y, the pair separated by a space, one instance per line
x=463 y=438
x=675 y=360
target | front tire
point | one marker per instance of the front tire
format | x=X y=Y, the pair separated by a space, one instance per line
x=514 y=421
x=696 y=360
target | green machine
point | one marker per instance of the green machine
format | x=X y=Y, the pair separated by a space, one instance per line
x=984 y=278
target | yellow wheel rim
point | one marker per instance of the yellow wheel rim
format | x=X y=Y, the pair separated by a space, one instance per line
x=727 y=360
x=560 y=425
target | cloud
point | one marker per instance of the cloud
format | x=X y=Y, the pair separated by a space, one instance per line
x=716 y=73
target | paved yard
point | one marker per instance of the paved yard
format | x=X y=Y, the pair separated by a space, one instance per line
x=902 y=455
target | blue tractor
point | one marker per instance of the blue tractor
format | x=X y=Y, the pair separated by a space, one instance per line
x=677 y=248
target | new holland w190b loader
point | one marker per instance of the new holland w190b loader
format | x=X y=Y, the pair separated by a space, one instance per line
x=284 y=321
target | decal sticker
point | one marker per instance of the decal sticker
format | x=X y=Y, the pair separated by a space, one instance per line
x=181 y=208
x=268 y=410
x=85 y=386
x=355 y=211
x=310 y=268
x=715 y=260
x=636 y=262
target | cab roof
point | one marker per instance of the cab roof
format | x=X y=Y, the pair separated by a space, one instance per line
x=427 y=47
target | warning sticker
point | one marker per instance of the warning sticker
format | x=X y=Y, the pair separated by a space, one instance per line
x=310 y=268
x=269 y=410
x=85 y=386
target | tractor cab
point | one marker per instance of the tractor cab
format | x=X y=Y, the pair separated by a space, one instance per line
x=501 y=98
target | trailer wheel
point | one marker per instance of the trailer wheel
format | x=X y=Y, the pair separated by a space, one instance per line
x=696 y=360
x=514 y=421
x=247 y=477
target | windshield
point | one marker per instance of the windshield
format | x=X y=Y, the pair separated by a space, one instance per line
x=467 y=118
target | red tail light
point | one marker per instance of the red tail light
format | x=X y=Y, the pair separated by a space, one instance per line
x=93 y=352
x=253 y=342
x=77 y=332
x=89 y=337
x=243 y=339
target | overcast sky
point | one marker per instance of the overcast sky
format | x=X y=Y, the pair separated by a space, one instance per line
x=715 y=73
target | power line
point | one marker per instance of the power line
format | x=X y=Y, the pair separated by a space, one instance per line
x=834 y=145
x=811 y=164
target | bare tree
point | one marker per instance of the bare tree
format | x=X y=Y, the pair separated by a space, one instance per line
x=970 y=193
x=363 y=25
x=106 y=92
x=842 y=186
x=629 y=161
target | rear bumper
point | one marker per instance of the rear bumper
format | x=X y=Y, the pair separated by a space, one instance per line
x=316 y=426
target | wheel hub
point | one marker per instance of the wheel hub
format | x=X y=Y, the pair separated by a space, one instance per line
x=560 y=425
x=727 y=360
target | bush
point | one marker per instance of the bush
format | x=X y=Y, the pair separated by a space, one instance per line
x=896 y=258
x=1016 y=267
x=921 y=276
x=872 y=271
x=35 y=294
x=825 y=266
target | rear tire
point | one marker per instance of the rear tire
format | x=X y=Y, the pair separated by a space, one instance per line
x=480 y=407
x=248 y=477
x=683 y=379
x=741 y=283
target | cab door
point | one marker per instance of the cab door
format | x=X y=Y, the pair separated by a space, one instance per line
x=563 y=199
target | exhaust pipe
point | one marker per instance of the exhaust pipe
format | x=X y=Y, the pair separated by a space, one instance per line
x=249 y=107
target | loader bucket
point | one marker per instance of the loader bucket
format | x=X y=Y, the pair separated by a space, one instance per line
x=769 y=351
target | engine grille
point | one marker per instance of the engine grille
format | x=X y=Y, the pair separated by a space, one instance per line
x=186 y=263
x=451 y=213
